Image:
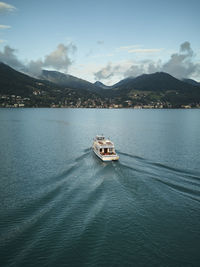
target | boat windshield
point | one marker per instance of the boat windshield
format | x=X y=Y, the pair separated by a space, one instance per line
x=100 y=137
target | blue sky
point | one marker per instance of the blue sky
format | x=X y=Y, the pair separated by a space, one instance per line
x=102 y=40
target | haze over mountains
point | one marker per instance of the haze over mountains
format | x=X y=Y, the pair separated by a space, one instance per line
x=144 y=89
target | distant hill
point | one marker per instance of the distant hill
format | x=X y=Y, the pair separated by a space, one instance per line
x=192 y=82
x=66 y=90
x=124 y=82
x=159 y=81
x=14 y=82
x=40 y=92
x=68 y=80
x=158 y=86
x=17 y=83
x=101 y=85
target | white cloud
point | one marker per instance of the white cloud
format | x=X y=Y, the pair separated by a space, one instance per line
x=4 y=7
x=142 y=50
x=5 y=27
x=59 y=59
x=112 y=72
x=106 y=72
x=137 y=49
x=180 y=65
x=127 y=48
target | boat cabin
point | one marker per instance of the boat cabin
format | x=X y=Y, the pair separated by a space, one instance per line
x=105 y=147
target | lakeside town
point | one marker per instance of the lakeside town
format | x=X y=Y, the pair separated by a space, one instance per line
x=16 y=101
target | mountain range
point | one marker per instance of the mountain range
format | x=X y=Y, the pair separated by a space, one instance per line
x=67 y=80
x=144 y=89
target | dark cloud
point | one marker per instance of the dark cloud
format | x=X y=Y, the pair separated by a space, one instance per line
x=107 y=72
x=185 y=47
x=8 y=57
x=100 y=42
x=59 y=58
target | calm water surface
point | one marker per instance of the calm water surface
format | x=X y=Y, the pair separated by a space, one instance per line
x=61 y=206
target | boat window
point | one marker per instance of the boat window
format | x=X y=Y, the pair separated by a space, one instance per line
x=100 y=137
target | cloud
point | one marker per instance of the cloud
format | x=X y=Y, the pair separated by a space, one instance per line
x=100 y=42
x=180 y=65
x=59 y=59
x=106 y=72
x=140 y=50
x=4 y=8
x=126 y=69
x=144 y=66
x=34 y=67
x=8 y=57
x=185 y=47
x=5 y=27
x=127 y=48
x=137 y=49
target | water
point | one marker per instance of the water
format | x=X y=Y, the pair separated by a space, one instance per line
x=61 y=206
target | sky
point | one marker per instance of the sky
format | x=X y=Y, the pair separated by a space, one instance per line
x=105 y=40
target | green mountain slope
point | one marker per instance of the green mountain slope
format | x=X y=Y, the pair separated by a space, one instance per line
x=67 y=80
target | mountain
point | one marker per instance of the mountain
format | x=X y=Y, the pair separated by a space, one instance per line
x=160 y=86
x=159 y=81
x=101 y=85
x=14 y=82
x=67 y=80
x=190 y=81
x=123 y=82
x=17 y=87
x=18 y=83
x=55 y=88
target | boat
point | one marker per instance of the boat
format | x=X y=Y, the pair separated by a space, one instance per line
x=104 y=148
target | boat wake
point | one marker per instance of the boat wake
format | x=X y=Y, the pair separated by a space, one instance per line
x=85 y=201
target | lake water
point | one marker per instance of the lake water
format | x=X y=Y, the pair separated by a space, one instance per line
x=61 y=206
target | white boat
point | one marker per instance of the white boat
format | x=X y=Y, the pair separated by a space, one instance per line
x=104 y=148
